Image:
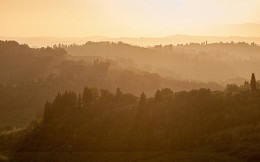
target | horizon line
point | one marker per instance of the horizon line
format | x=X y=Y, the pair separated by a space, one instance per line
x=131 y=37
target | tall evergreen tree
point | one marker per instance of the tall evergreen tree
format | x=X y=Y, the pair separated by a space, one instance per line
x=253 y=82
x=140 y=111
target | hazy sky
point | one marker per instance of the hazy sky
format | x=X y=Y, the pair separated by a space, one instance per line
x=134 y=18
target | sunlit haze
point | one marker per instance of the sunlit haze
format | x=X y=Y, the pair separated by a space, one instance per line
x=129 y=18
x=130 y=80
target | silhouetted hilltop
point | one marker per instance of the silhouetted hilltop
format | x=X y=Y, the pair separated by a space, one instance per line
x=30 y=76
x=139 y=41
x=195 y=61
x=223 y=122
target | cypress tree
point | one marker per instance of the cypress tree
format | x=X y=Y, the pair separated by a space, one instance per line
x=141 y=108
x=253 y=82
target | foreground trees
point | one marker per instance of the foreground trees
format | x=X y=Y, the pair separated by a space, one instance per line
x=101 y=120
x=30 y=76
x=253 y=82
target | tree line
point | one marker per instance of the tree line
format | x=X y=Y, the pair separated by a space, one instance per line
x=100 y=120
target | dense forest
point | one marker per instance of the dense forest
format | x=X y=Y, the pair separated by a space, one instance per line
x=226 y=61
x=98 y=120
x=30 y=76
x=59 y=106
x=129 y=81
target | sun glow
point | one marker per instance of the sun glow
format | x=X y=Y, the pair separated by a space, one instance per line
x=115 y=18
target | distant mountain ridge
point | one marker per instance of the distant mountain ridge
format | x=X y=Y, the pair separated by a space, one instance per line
x=140 y=41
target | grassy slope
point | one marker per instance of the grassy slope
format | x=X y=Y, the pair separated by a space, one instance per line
x=191 y=156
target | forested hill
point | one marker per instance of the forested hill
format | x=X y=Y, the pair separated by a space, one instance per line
x=225 y=122
x=108 y=115
x=30 y=76
x=20 y=63
x=195 y=61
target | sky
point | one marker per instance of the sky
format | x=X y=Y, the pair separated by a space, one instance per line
x=129 y=18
